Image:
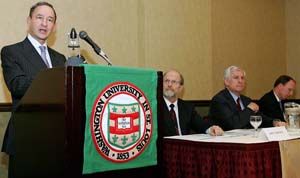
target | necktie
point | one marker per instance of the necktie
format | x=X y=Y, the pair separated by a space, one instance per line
x=280 y=105
x=43 y=55
x=173 y=116
x=238 y=105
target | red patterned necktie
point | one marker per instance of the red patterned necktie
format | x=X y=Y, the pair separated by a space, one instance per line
x=173 y=116
x=238 y=105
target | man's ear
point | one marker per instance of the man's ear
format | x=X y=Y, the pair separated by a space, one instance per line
x=180 y=88
x=54 y=28
x=280 y=86
x=226 y=82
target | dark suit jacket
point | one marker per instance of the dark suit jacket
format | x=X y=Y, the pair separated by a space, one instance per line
x=223 y=111
x=189 y=120
x=269 y=106
x=20 y=64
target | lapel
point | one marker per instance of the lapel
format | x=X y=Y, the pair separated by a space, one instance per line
x=52 y=57
x=230 y=100
x=32 y=56
x=168 y=121
x=182 y=117
x=276 y=103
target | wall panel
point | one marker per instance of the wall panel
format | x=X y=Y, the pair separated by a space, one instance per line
x=199 y=38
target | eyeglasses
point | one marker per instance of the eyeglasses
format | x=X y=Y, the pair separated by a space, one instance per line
x=171 y=81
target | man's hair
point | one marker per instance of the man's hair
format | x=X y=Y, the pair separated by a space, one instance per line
x=181 y=79
x=231 y=69
x=283 y=79
x=42 y=3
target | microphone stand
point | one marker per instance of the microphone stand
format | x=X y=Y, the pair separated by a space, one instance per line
x=106 y=59
x=98 y=51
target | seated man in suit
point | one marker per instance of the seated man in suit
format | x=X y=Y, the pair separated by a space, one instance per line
x=229 y=108
x=271 y=104
x=180 y=116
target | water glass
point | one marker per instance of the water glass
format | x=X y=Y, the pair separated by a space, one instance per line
x=255 y=121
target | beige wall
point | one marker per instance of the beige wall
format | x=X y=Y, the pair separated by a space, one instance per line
x=198 y=37
x=250 y=34
x=293 y=40
x=177 y=35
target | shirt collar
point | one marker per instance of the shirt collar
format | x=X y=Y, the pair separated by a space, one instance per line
x=35 y=43
x=235 y=97
x=168 y=102
x=277 y=98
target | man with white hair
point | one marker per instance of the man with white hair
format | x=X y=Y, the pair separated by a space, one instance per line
x=229 y=108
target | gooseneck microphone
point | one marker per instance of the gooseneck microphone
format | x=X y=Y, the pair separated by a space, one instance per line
x=83 y=35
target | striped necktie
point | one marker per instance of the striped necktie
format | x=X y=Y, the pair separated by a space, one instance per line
x=43 y=55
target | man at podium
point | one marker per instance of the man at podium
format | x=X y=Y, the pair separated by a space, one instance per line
x=22 y=61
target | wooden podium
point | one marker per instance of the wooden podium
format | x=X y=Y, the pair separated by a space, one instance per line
x=49 y=128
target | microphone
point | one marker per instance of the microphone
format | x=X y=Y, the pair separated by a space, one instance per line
x=83 y=35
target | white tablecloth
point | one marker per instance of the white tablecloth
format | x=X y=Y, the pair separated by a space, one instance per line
x=234 y=136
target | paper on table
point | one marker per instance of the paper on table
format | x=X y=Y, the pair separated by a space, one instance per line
x=233 y=136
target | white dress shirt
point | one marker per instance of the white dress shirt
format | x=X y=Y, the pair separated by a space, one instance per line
x=37 y=45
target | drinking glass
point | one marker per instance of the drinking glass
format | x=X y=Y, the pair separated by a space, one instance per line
x=255 y=121
x=292 y=115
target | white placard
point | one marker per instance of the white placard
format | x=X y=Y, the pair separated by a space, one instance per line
x=274 y=134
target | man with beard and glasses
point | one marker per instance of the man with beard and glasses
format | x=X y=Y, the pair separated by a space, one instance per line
x=180 y=117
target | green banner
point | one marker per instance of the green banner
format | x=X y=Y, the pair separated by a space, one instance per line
x=121 y=118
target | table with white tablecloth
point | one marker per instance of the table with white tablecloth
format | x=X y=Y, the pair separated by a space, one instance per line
x=238 y=153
